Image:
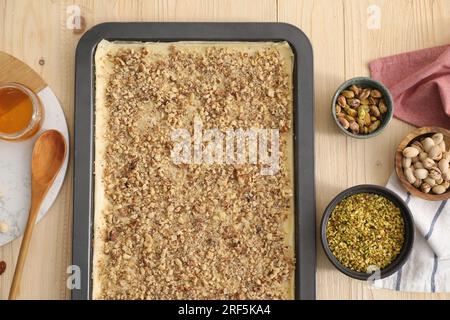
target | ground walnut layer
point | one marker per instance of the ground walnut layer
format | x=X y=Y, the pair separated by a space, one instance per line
x=193 y=231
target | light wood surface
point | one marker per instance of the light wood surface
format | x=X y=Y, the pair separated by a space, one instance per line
x=35 y=31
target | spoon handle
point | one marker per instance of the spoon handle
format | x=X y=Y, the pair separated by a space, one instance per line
x=15 y=286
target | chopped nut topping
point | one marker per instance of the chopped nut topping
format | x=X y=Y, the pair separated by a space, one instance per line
x=365 y=230
x=194 y=231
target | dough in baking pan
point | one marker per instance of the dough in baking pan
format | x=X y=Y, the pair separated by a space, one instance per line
x=168 y=230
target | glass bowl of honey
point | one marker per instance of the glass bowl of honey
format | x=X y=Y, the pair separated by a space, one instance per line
x=21 y=112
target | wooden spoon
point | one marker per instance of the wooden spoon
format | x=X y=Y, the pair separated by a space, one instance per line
x=48 y=156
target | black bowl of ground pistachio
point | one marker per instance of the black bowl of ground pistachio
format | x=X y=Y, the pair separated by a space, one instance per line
x=367 y=231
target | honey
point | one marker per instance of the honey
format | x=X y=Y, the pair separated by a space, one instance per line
x=20 y=112
x=16 y=110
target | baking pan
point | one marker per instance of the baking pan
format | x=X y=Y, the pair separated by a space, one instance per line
x=83 y=188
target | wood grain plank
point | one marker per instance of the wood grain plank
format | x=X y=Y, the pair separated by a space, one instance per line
x=29 y=41
x=323 y=22
x=178 y=10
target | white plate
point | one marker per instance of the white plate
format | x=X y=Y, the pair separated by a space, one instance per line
x=15 y=171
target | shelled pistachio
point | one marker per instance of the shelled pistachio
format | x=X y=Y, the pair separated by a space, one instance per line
x=364 y=109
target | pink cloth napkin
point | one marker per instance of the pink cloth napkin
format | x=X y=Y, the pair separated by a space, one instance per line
x=419 y=82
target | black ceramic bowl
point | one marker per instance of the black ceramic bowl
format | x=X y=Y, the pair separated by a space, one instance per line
x=367 y=83
x=409 y=230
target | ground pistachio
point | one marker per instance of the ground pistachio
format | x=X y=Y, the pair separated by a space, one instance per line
x=365 y=230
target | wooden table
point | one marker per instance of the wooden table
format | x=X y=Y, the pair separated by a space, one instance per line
x=345 y=35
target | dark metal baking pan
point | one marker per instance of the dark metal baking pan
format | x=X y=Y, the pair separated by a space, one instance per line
x=83 y=188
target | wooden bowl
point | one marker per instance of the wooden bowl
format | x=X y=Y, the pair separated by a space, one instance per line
x=419 y=134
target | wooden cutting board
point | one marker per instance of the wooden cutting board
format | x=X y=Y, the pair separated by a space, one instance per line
x=15 y=70
x=16 y=156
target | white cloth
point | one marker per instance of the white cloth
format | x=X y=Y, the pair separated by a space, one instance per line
x=428 y=267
